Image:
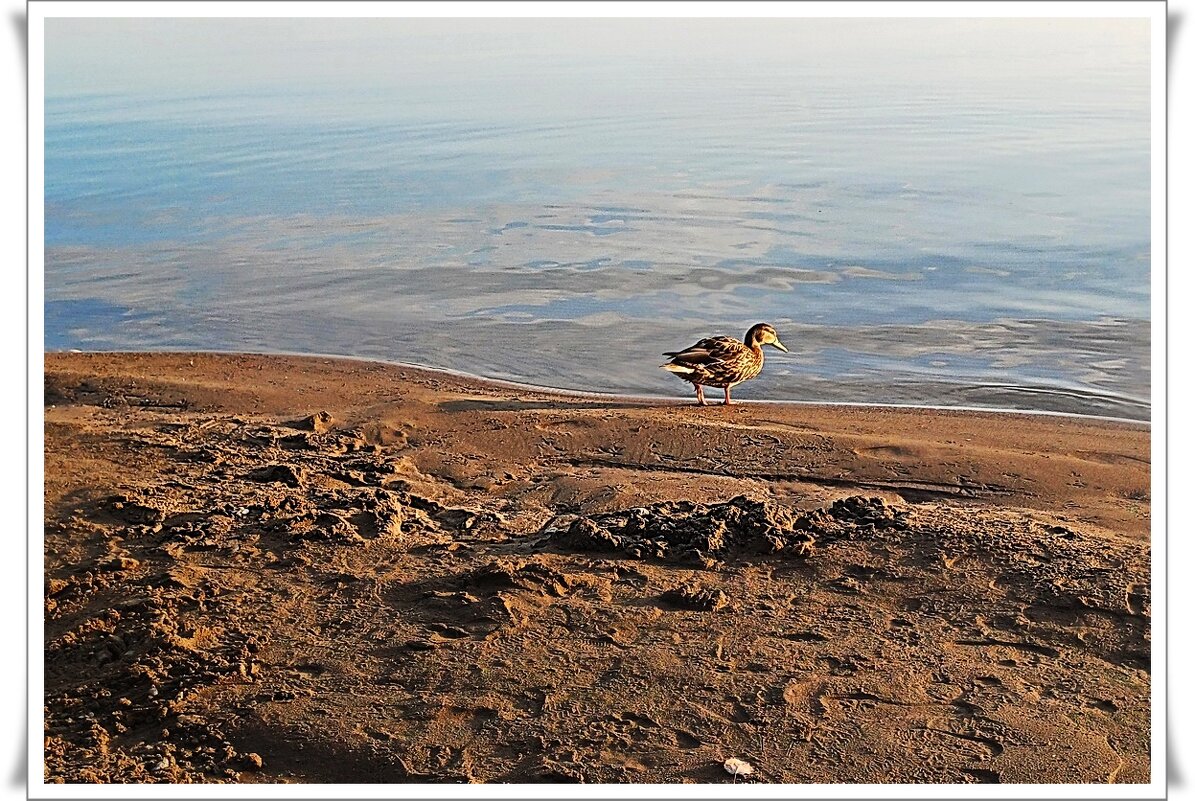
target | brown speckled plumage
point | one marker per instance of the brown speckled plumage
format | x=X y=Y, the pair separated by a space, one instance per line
x=723 y=361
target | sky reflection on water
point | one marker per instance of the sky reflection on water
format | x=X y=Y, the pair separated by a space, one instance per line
x=935 y=211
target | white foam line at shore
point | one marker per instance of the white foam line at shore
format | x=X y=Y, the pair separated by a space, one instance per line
x=611 y=396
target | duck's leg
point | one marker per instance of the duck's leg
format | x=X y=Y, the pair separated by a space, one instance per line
x=700 y=395
x=726 y=390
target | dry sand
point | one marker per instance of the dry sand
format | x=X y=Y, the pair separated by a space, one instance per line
x=443 y=580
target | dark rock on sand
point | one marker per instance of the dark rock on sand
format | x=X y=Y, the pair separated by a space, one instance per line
x=682 y=531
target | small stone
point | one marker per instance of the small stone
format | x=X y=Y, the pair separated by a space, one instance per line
x=254 y=760
x=738 y=767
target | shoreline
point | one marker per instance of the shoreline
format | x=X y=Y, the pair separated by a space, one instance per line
x=301 y=569
x=625 y=397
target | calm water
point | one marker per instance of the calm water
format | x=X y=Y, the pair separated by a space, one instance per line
x=931 y=211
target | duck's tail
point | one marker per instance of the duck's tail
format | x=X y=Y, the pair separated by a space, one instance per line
x=673 y=367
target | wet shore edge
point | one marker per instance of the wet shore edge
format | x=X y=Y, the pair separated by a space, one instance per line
x=480 y=382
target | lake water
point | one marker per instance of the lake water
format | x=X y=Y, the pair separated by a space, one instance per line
x=950 y=212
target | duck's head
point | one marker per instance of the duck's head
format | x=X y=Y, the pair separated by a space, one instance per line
x=763 y=334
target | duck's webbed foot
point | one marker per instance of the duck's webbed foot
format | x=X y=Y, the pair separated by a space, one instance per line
x=700 y=395
x=726 y=390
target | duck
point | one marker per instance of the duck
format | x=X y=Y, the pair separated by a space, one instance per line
x=723 y=361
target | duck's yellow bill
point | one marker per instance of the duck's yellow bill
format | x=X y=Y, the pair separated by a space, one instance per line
x=777 y=344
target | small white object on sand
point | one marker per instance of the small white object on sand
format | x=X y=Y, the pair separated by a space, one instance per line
x=737 y=767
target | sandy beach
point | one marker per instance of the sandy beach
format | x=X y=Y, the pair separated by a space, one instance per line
x=300 y=569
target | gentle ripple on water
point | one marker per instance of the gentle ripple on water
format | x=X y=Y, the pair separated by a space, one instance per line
x=925 y=217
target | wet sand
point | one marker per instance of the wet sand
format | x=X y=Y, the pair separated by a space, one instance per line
x=284 y=569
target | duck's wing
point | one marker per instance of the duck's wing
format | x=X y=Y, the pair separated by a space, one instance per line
x=711 y=350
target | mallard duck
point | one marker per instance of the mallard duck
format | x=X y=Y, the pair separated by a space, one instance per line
x=723 y=361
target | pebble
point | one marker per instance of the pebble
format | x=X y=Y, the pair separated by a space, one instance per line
x=738 y=767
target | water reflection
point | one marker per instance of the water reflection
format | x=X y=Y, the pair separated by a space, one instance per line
x=934 y=211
